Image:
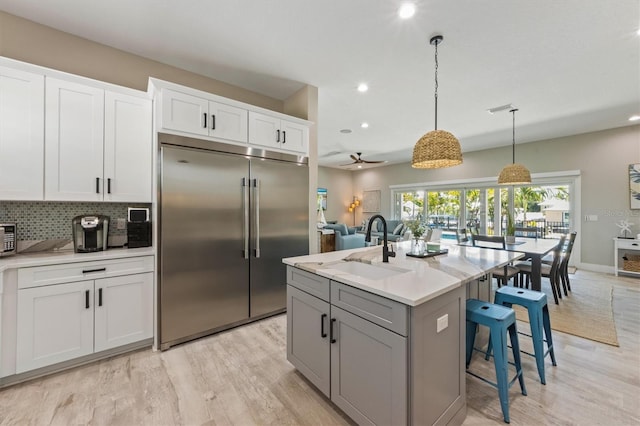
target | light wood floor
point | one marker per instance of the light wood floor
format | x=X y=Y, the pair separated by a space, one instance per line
x=241 y=377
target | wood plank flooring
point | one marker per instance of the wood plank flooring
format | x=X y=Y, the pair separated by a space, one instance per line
x=241 y=377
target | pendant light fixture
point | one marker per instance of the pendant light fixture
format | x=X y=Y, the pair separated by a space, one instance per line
x=438 y=148
x=514 y=173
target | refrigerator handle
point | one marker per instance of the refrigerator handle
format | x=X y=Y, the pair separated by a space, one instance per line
x=245 y=221
x=256 y=188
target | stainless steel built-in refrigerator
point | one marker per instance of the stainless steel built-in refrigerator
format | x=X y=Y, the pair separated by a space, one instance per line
x=227 y=217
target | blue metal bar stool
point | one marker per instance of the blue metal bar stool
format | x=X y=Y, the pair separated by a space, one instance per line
x=500 y=320
x=536 y=304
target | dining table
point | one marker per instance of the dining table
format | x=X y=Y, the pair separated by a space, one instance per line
x=534 y=249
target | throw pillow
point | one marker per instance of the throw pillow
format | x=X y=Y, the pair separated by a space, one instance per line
x=398 y=229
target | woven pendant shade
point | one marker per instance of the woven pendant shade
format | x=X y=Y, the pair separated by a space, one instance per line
x=514 y=174
x=436 y=149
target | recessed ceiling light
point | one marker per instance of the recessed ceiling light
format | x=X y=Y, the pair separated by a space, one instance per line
x=634 y=118
x=407 y=10
x=359 y=166
x=362 y=87
x=365 y=125
x=345 y=131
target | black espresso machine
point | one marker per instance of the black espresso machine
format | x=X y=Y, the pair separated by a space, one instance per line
x=90 y=233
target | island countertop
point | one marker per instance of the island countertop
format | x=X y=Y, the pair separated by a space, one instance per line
x=421 y=279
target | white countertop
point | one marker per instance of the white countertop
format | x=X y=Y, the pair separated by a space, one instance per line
x=68 y=256
x=426 y=278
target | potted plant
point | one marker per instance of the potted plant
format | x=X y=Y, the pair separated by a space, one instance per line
x=511 y=229
x=417 y=228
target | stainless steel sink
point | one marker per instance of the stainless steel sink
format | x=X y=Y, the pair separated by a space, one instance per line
x=368 y=271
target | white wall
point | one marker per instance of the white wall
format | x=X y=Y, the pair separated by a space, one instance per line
x=602 y=157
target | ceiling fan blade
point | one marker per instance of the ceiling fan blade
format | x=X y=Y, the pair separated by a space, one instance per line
x=371 y=162
x=350 y=164
x=353 y=157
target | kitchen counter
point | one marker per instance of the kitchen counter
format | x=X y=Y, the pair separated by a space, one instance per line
x=406 y=318
x=424 y=280
x=68 y=256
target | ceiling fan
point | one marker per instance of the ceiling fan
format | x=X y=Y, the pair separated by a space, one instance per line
x=358 y=160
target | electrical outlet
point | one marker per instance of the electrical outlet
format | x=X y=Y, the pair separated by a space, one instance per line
x=442 y=323
x=121 y=223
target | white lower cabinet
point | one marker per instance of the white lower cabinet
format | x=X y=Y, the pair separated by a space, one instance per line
x=55 y=324
x=63 y=321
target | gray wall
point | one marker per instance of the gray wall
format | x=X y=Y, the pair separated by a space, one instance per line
x=602 y=157
x=339 y=184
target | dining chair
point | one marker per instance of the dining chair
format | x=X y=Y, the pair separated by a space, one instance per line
x=528 y=232
x=564 y=264
x=461 y=235
x=503 y=274
x=552 y=272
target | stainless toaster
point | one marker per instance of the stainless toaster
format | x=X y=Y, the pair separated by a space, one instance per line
x=8 y=242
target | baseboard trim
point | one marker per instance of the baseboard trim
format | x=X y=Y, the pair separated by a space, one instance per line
x=593 y=267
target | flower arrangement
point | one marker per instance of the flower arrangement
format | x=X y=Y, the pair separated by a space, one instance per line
x=416 y=227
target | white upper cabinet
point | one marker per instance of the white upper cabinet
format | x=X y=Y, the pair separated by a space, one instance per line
x=227 y=122
x=192 y=114
x=273 y=132
x=74 y=134
x=128 y=150
x=98 y=144
x=21 y=135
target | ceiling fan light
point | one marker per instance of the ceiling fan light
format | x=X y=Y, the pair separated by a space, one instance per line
x=514 y=174
x=436 y=149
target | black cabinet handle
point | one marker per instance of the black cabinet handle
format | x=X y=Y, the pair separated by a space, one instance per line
x=109 y=186
x=333 y=320
x=278 y=135
x=97 y=185
x=205 y=120
x=88 y=271
x=86 y=299
x=99 y=297
x=213 y=122
x=323 y=334
x=284 y=137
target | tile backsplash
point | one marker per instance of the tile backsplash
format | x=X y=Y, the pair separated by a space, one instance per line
x=46 y=220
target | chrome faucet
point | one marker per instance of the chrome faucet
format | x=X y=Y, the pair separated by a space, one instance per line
x=385 y=247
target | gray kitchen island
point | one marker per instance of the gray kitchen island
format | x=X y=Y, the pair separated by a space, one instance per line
x=385 y=341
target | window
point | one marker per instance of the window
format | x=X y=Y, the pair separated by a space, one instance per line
x=480 y=205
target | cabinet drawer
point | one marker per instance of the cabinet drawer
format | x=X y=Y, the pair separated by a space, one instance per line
x=387 y=313
x=68 y=272
x=311 y=283
x=629 y=244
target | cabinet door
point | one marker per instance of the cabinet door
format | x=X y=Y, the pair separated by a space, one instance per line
x=55 y=324
x=128 y=155
x=228 y=122
x=185 y=113
x=368 y=370
x=308 y=337
x=295 y=137
x=74 y=131
x=21 y=135
x=123 y=310
x=264 y=130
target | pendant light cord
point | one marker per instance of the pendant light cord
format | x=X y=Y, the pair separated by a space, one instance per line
x=436 y=92
x=513 y=146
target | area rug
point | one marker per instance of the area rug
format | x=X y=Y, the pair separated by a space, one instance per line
x=586 y=312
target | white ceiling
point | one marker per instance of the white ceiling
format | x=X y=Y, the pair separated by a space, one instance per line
x=570 y=66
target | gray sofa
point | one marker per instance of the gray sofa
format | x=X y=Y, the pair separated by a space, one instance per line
x=346 y=237
x=377 y=230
